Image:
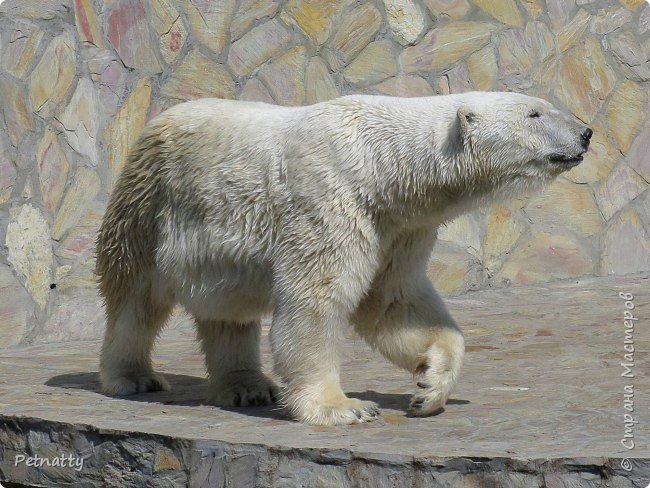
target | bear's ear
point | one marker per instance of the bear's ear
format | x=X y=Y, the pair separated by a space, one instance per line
x=466 y=117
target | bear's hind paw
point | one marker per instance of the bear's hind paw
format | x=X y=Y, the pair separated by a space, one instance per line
x=133 y=384
x=244 y=391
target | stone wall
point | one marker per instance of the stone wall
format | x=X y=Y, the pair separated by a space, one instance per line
x=80 y=78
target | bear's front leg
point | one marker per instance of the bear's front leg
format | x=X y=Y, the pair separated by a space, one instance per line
x=415 y=333
x=403 y=317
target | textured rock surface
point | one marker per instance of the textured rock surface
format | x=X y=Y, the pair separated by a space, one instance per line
x=539 y=360
x=406 y=20
x=80 y=78
x=29 y=251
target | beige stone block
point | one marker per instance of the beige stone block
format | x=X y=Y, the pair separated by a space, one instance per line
x=453 y=9
x=644 y=24
x=560 y=12
x=502 y=232
x=574 y=30
x=249 y=12
x=513 y=54
x=465 y=232
x=454 y=271
x=18 y=54
x=405 y=19
x=285 y=76
x=109 y=76
x=545 y=76
x=546 y=257
x=533 y=7
x=645 y=199
x=209 y=20
x=627 y=108
x=599 y=160
x=87 y=24
x=609 y=19
x=319 y=83
x=566 y=205
x=198 y=76
x=53 y=168
x=638 y=157
x=357 y=29
x=15 y=112
x=255 y=91
x=172 y=42
x=79 y=243
x=505 y=11
x=76 y=316
x=631 y=55
x=169 y=27
x=47 y=10
x=129 y=122
x=84 y=187
x=127 y=28
x=53 y=75
x=16 y=309
x=540 y=40
x=257 y=47
x=445 y=45
x=483 y=69
x=80 y=276
x=455 y=80
x=7 y=174
x=30 y=251
x=163 y=15
x=633 y=4
x=315 y=18
x=81 y=120
x=402 y=86
x=621 y=187
x=625 y=245
x=374 y=64
x=586 y=79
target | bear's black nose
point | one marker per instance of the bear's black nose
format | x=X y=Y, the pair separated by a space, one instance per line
x=586 y=135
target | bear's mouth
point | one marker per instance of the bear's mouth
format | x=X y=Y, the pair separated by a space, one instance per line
x=566 y=160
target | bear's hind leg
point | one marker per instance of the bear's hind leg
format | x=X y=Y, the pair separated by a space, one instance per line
x=232 y=359
x=132 y=328
x=306 y=341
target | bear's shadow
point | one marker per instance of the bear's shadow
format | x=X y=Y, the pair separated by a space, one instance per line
x=191 y=391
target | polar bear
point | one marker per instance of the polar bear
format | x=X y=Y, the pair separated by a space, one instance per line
x=324 y=216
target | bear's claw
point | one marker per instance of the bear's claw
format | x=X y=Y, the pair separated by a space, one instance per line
x=349 y=411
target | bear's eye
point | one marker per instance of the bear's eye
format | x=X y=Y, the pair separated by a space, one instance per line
x=535 y=114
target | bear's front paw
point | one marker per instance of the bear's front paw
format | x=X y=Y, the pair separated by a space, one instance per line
x=435 y=388
x=429 y=401
x=342 y=412
x=243 y=389
x=132 y=384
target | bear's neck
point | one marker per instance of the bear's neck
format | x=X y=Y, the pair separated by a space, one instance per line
x=428 y=187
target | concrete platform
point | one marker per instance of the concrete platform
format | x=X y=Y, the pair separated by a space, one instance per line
x=540 y=404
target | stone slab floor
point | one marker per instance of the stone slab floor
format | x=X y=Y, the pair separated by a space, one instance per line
x=540 y=403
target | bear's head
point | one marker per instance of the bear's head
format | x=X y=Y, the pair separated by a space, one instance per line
x=521 y=138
